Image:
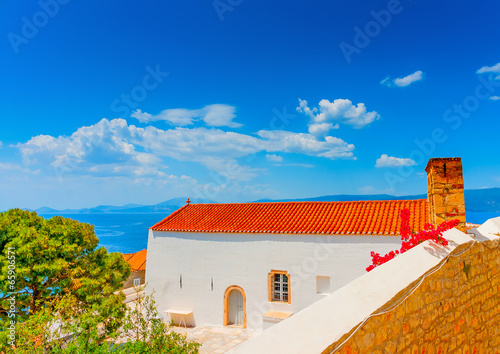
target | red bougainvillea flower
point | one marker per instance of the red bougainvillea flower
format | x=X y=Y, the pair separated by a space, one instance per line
x=409 y=239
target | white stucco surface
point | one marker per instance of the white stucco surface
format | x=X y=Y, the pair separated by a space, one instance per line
x=245 y=260
x=315 y=328
x=490 y=229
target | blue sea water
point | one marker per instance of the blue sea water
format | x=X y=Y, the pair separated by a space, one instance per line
x=128 y=233
x=479 y=218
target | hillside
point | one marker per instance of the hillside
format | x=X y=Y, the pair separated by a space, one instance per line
x=476 y=200
x=168 y=206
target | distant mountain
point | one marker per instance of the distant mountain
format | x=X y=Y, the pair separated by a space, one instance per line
x=483 y=200
x=168 y=206
x=95 y=210
x=347 y=198
x=47 y=210
x=476 y=200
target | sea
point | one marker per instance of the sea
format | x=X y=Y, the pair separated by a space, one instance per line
x=125 y=233
x=128 y=233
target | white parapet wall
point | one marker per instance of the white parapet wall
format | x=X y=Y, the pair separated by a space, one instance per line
x=131 y=294
x=489 y=228
x=315 y=328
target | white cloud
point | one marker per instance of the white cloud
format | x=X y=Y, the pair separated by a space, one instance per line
x=302 y=143
x=16 y=167
x=367 y=190
x=144 y=117
x=490 y=69
x=177 y=116
x=215 y=148
x=322 y=129
x=1 y=144
x=403 y=81
x=111 y=156
x=495 y=69
x=328 y=115
x=215 y=115
x=274 y=158
x=220 y=115
x=407 y=80
x=114 y=148
x=493 y=98
x=304 y=165
x=390 y=161
x=387 y=81
x=258 y=191
x=103 y=149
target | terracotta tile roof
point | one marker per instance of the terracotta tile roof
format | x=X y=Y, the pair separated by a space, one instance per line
x=333 y=218
x=470 y=226
x=136 y=260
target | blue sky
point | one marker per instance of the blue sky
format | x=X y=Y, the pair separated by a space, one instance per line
x=237 y=100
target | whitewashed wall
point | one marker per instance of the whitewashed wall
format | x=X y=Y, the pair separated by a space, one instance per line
x=325 y=322
x=245 y=260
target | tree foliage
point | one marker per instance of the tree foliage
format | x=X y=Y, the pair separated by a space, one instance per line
x=63 y=328
x=144 y=332
x=54 y=258
x=65 y=291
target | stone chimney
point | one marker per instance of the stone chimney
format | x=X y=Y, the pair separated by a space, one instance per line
x=445 y=190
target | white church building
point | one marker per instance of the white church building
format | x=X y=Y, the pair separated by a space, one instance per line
x=255 y=264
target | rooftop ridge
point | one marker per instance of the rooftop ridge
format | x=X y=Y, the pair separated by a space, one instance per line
x=314 y=201
x=175 y=212
x=371 y=217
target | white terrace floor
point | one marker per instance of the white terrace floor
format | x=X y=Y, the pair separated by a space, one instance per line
x=217 y=339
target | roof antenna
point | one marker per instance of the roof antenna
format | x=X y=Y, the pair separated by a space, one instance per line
x=188 y=201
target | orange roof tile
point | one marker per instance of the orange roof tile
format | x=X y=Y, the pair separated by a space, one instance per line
x=332 y=218
x=136 y=260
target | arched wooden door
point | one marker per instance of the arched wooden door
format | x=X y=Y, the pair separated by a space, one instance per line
x=235 y=307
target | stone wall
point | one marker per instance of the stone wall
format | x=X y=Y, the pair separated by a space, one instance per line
x=445 y=190
x=454 y=309
x=135 y=274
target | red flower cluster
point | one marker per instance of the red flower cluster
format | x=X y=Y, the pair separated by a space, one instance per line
x=410 y=239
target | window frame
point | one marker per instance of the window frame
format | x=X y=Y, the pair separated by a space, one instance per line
x=133 y=281
x=271 y=283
